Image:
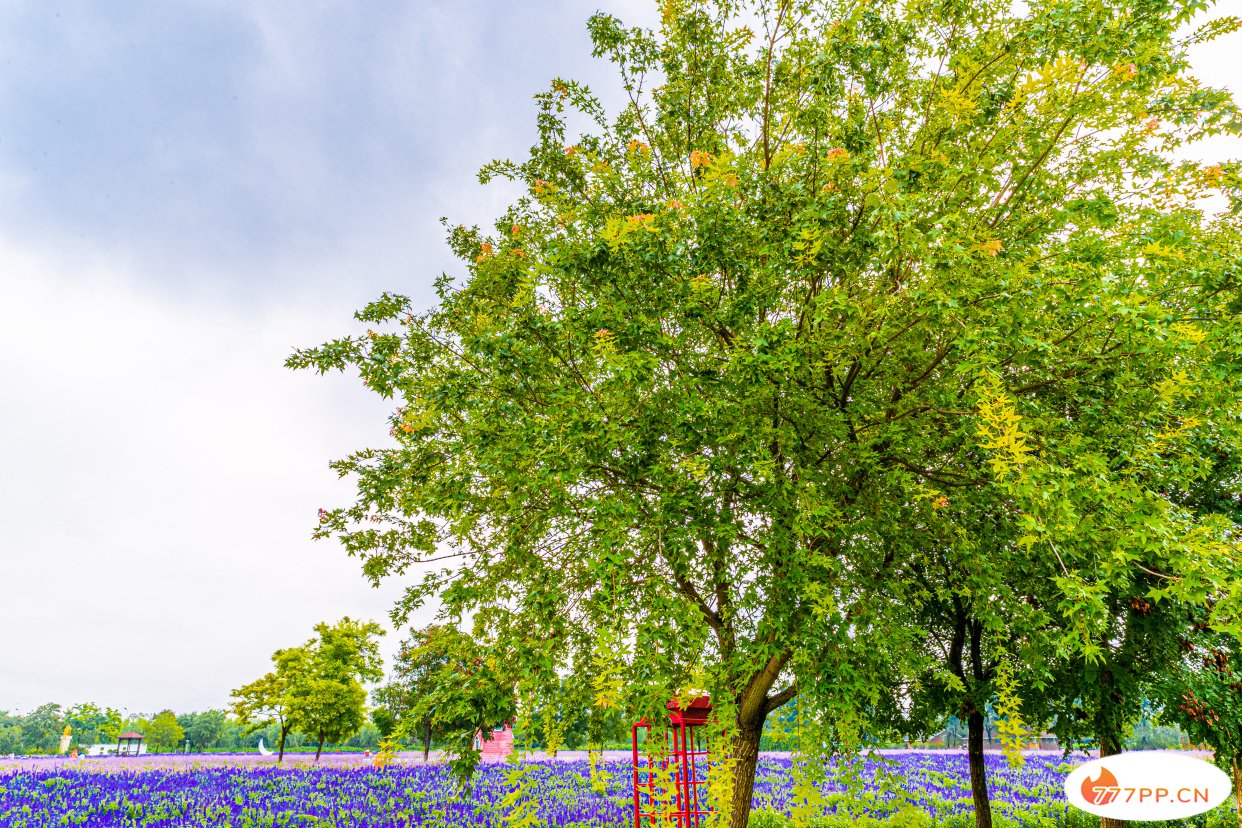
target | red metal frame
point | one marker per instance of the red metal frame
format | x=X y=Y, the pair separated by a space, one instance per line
x=689 y=759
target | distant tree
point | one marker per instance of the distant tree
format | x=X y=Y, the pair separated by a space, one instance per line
x=137 y=723
x=384 y=712
x=10 y=733
x=419 y=658
x=204 y=729
x=1149 y=734
x=230 y=738
x=265 y=701
x=165 y=734
x=316 y=687
x=41 y=728
x=328 y=710
x=248 y=739
x=326 y=697
x=458 y=690
x=367 y=737
x=92 y=724
x=575 y=724
x=780 y=730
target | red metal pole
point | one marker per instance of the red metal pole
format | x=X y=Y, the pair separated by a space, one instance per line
x=634 y=744
x=692 y=801
x=682 y=779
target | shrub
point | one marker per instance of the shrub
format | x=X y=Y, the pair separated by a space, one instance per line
x=910 y=817
x=768 y=818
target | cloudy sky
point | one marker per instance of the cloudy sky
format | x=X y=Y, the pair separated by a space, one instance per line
x=188 y=191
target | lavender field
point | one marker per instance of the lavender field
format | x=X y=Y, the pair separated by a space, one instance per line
x=243 y=791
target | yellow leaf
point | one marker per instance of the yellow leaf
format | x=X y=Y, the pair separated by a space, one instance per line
x=990 y=248
x=1000 y=431
x=1161 y=251
x=700 y=159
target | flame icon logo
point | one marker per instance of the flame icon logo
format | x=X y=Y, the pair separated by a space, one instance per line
x=1103 y=790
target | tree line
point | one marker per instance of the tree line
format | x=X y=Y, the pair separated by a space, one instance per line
x=209 y=731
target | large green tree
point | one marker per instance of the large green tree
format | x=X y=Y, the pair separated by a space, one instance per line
x=833 y=260
x=329 y=710
x=1096 y=702
x=1204 y=693
x=984 y=633
x=1141 y=652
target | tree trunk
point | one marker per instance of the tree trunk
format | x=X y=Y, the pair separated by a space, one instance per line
x=745 y=749
x=1109 y=748
x=1237 y=789
x=319 y=749
x=978 y=771
x=284 y=731
x=426 y=739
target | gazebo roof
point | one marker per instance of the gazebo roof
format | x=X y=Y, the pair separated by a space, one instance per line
x=130 y=736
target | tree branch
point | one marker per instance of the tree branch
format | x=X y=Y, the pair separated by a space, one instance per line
x=781 y=698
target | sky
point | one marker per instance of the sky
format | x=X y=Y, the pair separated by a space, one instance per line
x=190 y=190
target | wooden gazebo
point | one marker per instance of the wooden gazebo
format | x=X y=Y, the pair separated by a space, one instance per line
x=128 y=744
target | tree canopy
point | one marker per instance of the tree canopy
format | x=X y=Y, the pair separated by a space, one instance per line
x=316 y=687
x=265 y=700
x=164 y=734
x=838 y=280
x=325 y=694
